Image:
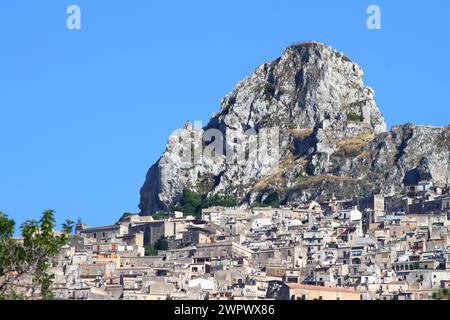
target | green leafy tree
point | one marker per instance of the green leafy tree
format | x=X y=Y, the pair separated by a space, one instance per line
x=68 y=226
x=161 y=244
x=269 y=90
x=272 y=200
x=355 y=117
x=150 y=251
x=443 y=294
x=217 y=200
x=12 y=256
x=160 y=215
x=30 y=257
x=190 y=203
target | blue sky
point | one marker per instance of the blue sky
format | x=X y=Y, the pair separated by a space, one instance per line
x=84 y=113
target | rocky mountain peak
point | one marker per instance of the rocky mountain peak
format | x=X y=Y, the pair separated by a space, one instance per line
x=332 y=138
x=309 y=85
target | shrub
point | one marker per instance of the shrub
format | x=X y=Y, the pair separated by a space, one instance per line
x=269 y=90
x=442 y=294
x=355 y=117
x=272 y=200
x=150 y=251
x=217 y=200
x=161 y=244
x=192 y=203
x=160 y=215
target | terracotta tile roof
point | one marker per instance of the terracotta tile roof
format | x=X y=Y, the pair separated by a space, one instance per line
x=319 y=288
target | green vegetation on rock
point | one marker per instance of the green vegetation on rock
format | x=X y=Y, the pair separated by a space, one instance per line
x=160 y=215
x=269 y=90
x=273 y=200
x=192 y=203
x=218 y=201
x=355 y=117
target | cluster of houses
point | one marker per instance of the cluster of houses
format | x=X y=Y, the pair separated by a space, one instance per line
x=378 y=247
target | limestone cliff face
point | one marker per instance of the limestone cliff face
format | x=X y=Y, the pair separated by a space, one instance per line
x=332 y=139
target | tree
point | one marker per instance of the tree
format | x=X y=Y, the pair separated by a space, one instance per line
x=161 y=244
x=272 y=200
x=11 y=255
x=68 y=226
x=30 y=258
x=190 y=203
x=354 y=117
x=269 y=90
x=217 y=200
x=160 y=215
x=150 y=251
x=443 y=294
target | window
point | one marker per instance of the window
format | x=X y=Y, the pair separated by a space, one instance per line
x=94 y=235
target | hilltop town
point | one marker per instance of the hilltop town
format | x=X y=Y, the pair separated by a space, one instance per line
x=335 y=207
x=376 y=247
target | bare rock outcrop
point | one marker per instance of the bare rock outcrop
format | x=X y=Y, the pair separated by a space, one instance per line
x=330 y=136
